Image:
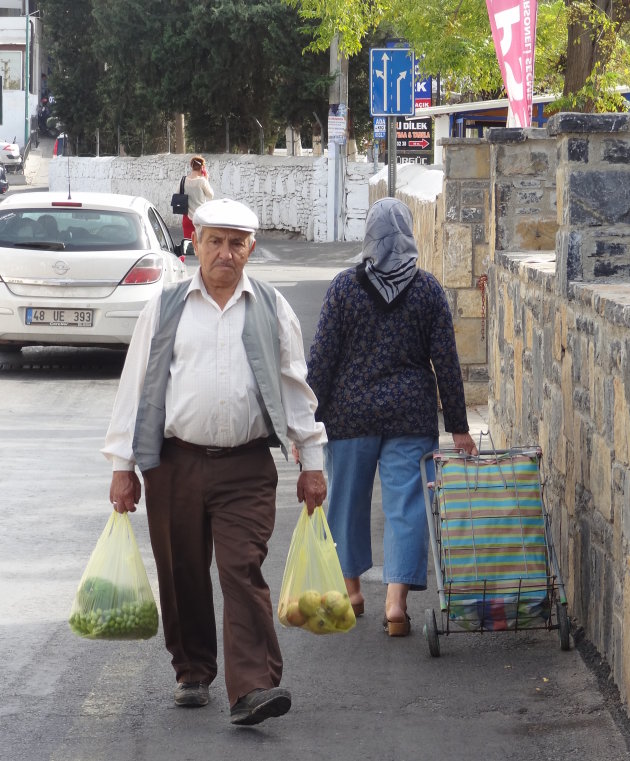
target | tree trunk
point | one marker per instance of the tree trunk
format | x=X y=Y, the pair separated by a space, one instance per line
x=180 y=133
x=586 y=44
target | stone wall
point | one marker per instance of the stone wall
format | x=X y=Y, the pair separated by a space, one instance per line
x=287 y=193
x=523 y=178
x=464 y=260
x=560 y=362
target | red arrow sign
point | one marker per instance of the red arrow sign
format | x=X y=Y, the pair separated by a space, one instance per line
x=418 y=143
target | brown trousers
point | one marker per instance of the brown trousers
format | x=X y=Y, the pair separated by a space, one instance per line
x=194 y=503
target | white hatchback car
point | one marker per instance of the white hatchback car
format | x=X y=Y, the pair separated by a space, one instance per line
x=78 y=270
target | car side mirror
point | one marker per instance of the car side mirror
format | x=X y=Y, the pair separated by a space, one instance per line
x=184 y=249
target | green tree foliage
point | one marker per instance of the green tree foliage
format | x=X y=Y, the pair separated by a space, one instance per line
x=580 y=43
x=598 y=55
x=69 y=37
x=129 y=65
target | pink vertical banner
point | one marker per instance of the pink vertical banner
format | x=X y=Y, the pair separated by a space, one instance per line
x=513 y=24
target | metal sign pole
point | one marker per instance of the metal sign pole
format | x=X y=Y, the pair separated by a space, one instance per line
x=391 y=156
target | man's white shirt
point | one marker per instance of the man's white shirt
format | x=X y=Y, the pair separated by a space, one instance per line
x=212 y=397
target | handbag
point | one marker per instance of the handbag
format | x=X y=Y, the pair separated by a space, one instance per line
x=313 y=594
x=114 y=599
x=179 y=201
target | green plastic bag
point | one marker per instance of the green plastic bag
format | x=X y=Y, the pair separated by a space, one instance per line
x=313 y=594
x=114 y=598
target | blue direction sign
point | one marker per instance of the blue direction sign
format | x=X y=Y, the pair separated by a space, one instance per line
x=391 y=82
x=380 y=128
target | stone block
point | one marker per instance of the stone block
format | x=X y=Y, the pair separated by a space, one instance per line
x=558 y=438
x=625 y=652
x=476 y=392
x=615 y=151
x=467 y=161
x=577 y=150
x=474 y=193
x=605 y=254
x=457 y=256
x=519 y=380
x=354 y=228
x=481 y=259
x=452 y=200
x=601 y=476
x=537 y=234
x=480 y=234
x=471 y=348
x=621 y=424
x=469 y=302
x=599 y=197
x=471 y=214
x=564 y=123
x=530 y=197
x=528 y=158
x=357 y=199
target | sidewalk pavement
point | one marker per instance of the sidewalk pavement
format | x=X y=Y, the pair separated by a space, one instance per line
x=35 y=175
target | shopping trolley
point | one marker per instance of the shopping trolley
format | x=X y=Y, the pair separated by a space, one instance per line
x=490 y=535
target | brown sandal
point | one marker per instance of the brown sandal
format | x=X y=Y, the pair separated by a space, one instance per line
x=358 y=608
x=397 y=628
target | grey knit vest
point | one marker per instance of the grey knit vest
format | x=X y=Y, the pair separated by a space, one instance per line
x=262 y=346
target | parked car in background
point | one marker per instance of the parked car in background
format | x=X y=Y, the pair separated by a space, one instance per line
x=10 y=156
x=4 y=183
x=78 y=270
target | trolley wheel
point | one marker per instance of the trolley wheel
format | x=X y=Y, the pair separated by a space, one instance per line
x=431 y=632
x=563 y=626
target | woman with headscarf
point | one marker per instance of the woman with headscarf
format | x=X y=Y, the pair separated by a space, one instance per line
x=383 y=347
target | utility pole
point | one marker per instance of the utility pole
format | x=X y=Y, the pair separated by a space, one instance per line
x=337 y=140
x=27 y=125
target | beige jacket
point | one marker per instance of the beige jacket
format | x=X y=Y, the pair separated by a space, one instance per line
x=198 y=191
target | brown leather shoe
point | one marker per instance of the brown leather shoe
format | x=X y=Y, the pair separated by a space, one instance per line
x=191 y=694
x=259 y=705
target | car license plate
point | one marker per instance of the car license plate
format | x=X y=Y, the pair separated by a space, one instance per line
x=60 y=318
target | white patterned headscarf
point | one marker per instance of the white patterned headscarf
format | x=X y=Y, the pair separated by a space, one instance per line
x=389 y=248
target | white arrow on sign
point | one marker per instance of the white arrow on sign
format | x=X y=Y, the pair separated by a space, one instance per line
x=402 y=75
x=383 y=76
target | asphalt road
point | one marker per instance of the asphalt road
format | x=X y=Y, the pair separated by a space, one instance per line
x=357 y=696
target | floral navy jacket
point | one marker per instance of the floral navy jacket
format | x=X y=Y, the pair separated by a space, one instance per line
x=373 y=367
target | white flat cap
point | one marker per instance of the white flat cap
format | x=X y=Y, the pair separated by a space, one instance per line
x=225 y=212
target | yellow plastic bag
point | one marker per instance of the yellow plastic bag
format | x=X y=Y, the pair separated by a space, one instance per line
x=313 y=594
x=114 y=598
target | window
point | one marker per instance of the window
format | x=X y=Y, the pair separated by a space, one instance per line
x=160 y=229
x=11 y=69
x=78 y=230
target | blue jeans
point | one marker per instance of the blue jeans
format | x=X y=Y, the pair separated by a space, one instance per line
x=351 y=467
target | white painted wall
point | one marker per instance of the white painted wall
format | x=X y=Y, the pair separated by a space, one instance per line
x=287 y=193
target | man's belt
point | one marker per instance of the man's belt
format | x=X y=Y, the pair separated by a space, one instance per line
x=219 y=451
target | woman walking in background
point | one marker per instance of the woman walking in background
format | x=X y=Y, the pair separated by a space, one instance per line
x=384 y=345
x=198 y=190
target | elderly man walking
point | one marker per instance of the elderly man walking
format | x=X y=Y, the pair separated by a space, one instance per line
x=215 y=375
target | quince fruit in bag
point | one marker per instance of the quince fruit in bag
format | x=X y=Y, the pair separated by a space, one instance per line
x=335 y=603
x=309 y=602
x=320 y=623
x=347 y=621
x=294 y=615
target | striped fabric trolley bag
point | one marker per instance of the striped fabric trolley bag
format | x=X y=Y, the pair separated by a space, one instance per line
x=492 y=547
